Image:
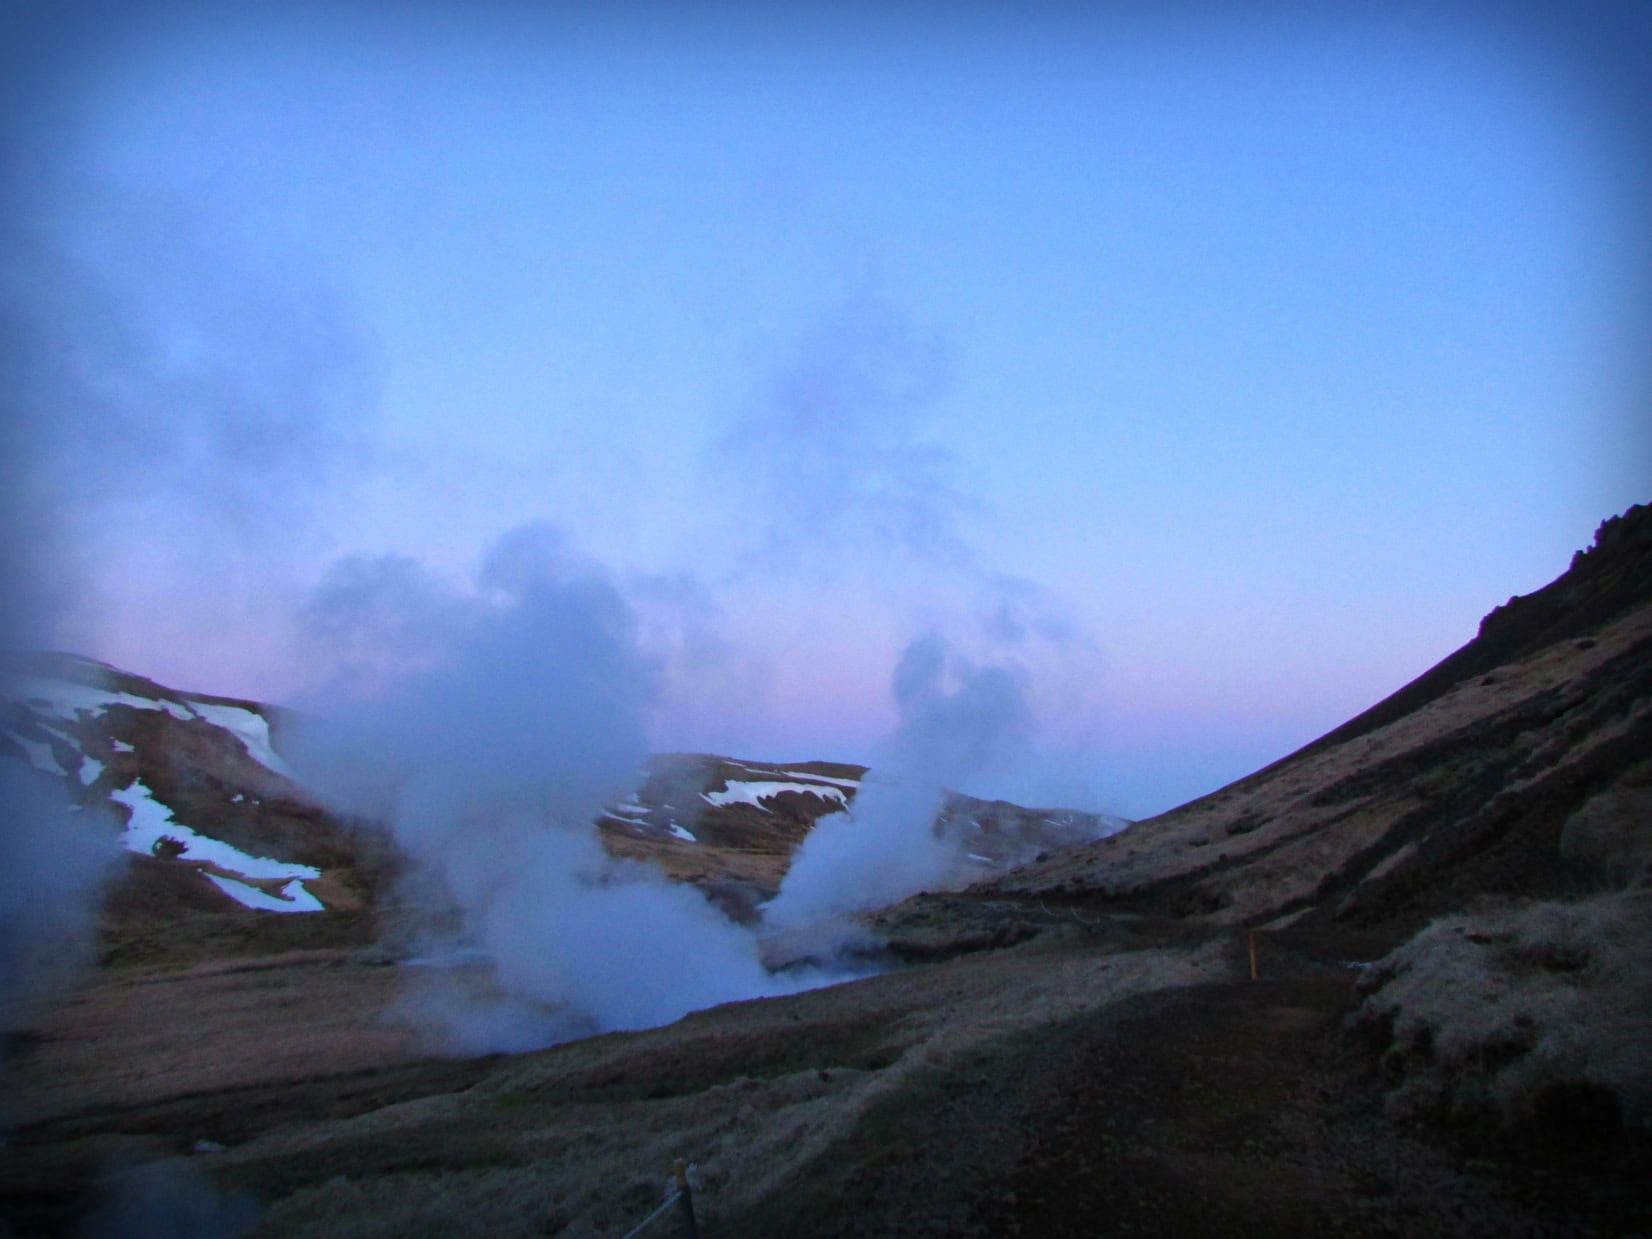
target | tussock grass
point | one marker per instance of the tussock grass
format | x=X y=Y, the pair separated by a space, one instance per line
x=1534 y=1019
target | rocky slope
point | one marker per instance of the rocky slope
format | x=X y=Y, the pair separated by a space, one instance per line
x=1515 y=767
x=1393 y=984
x=1503 y=800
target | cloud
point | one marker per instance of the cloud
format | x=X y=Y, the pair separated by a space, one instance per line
x=956 y=721
x=835 y=455
x=161 y=350
x=181 y=398
x=848 y=479
x=524 y=691
x=373 y=618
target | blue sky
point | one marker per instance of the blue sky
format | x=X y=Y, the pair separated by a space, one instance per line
x=1250 y=361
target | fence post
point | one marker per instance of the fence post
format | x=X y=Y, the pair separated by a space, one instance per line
x=685 y=1199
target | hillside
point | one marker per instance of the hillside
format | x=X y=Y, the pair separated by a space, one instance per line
x=1394 y=983
x=1473 y=780
x=221 y=835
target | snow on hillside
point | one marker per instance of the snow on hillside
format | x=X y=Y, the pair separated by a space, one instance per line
x=852 y=784
x=74 y=719
x=69 y=702
x=70 y=713
x=151 y=821
x=251 y=729
x=632 y=812
x=754 y=793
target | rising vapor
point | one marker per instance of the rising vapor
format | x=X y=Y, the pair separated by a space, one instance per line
x=54 y=861
x=958 y=722
x=836 y=456
x=489 y=741
x=844 y=460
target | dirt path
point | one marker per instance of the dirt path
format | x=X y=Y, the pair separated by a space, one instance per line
x=1206 y=1112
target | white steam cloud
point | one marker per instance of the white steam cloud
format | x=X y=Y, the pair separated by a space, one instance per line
x=54 y=861
x=842 y=460
x=172 y=381
x=489 y=732
x=834 y=457
x=166 y=386
x=54 y=858
x=958 y=722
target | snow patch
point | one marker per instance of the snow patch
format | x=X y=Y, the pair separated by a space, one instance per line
x=682 y=832
x=629 y=812
x=251 y=729
x=293 y=897
x=851 y=784
x=151 y=821
x=65 y=700
x=38 y=753
x=739 y=792
x=90 y=768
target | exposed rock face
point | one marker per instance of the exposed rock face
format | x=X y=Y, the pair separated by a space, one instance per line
x=1604 y=582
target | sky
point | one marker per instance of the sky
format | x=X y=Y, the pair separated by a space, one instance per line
x=1215 y=372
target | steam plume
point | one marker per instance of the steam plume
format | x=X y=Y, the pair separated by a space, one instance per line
x=518 y=715
x=171 y=383
x=957 y=722
x=835 y=454
x=53 y=863
x=842 y=458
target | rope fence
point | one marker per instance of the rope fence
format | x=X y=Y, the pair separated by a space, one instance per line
x=680 y=1201
x=1073 y=912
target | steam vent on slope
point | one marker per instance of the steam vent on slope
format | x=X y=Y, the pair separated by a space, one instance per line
x=1397 y=982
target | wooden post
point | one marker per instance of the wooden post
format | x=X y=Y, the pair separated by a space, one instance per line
x=1251 y=936
x=685 y=1199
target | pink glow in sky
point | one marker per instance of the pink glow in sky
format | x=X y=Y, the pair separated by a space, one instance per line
x=1220 y=370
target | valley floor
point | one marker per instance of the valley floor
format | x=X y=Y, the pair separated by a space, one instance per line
x=1088 y=1083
